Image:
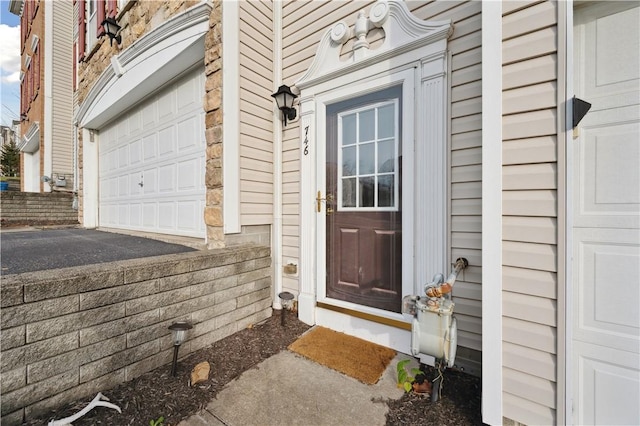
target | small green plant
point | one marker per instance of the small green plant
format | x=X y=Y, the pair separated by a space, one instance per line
x=406 y=378
x=158 y=422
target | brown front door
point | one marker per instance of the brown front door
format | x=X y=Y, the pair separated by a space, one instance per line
x=364 y=217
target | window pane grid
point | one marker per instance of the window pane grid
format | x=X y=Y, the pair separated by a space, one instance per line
x=368 y=154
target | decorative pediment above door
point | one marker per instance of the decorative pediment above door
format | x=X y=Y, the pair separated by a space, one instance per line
x=402 y=33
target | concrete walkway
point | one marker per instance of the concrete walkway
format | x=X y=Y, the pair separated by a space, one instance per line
x=288 y=389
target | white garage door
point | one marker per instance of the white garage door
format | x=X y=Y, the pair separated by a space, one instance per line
x=152 y=163
x=606 y=217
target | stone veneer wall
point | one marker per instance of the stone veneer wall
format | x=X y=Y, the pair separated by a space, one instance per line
x=69 y=333
x=34 y=208
x=137 y=19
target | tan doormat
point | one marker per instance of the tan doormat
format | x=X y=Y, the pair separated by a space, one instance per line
x=349 y=355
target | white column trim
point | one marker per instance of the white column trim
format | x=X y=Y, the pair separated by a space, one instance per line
x=492 y=212
x=231 y=116
x=90 y=187
x=430 y=236
x=307 y=296
x=46 y=154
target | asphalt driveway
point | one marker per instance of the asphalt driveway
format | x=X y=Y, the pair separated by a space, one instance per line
x=43 y=249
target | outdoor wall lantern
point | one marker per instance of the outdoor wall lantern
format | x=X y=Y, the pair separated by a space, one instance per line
x=112 y=28
x=286 y=299
x=284 y=98
x=179 y=332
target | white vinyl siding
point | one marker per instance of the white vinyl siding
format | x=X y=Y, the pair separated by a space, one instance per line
x=62 y=92
x=303 y=25
x=256 y=113
x=529 y=178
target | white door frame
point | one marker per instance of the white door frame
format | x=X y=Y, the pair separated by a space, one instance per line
x=406 y=78
x=564 y=401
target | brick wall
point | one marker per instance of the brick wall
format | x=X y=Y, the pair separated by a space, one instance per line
x=71 y=333
x=32 y=208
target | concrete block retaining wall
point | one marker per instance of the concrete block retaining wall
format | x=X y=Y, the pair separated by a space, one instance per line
x=33 y=208
x=69 y=333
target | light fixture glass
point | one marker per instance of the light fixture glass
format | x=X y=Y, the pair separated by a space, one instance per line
x=284 y=99
x=179 y=332
x=112 y=28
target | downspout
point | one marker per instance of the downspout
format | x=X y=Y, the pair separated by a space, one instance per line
x=276 y=235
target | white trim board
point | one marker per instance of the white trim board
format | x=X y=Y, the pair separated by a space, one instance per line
x=492 y=212
x=231 y=116
x=46 y=154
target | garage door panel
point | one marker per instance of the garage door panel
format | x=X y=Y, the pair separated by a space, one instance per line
x=189 y=132
x=188 y=93
x=608 y=380
x=167 y=215
x=135 y=152
x=123 y=214
x=607 y=299
x=150 y=215
x=149 y=119
x=123 y=186
x=150 y=147
x=123 y=157
x=150 y=181
x=123 y=128
x=167 y=141
x=167 y=178
x=135 y=214
x=167 y=106
x=135 y=122
x=189 y=175
x=152 y=163
x=187 y=215
x=135 y=190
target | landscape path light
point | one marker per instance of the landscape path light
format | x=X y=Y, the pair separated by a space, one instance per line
x=286 y=298
x=179 y=332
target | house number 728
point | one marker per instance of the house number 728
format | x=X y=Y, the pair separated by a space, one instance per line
x=306 y=141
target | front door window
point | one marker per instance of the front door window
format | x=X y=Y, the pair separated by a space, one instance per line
x=364 y=218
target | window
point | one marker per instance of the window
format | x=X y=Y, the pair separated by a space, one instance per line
x=92 y=24
x=36 y=70
x=122 y=4
x=368 y=158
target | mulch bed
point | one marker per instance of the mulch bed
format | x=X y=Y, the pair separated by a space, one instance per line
x=458 y=404
x=157 y=393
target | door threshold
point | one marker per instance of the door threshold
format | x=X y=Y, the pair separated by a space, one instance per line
x=365 y=316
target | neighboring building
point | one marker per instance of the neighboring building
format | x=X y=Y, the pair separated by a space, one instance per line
x=7 y=135
x=46 y=93
x=178 y=134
